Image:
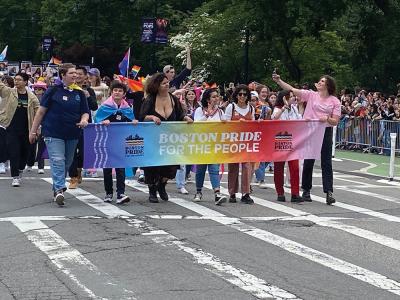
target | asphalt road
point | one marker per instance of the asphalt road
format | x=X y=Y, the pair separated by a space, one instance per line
x=185 y=250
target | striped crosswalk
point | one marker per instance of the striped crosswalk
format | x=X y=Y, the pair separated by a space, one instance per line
x=204 y=238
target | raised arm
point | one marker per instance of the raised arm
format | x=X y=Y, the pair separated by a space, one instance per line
x=284 y=85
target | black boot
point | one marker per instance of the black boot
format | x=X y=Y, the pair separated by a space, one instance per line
x=161 y=190
x=329 y=198
x=306 y=196
x=153 y=193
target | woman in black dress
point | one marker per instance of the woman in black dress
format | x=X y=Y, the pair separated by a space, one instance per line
x=160 y=106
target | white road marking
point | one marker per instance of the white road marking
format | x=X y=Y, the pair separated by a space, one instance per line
x=362 y=233
x=69 y=261
x=316 y=256
x=238 y=277
x=357 y=209
x=370 y=194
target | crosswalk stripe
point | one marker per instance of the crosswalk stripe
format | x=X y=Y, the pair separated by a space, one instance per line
x=362 y=233
x=357 y=209
x=238 y=277
x=370 y=194
x=96 y=284
x=311 y=254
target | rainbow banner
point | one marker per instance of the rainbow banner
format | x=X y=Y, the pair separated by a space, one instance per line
x=121 y=145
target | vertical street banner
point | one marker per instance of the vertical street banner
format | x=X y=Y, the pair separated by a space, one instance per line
x=47 y=44
x=148 y=30
x=121 y=145
x=161 y=36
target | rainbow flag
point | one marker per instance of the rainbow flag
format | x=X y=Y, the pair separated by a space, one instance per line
x=55 y=61
x=134 y=85
x=135 y=70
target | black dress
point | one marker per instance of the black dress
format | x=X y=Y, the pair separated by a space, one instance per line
x=153 y=175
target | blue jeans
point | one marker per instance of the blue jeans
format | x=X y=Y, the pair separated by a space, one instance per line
x=213 y=171
x=61 y=153
x=260 y=172
x=180 y=177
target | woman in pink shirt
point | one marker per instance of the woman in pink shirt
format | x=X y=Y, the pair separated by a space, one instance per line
x=324 y=106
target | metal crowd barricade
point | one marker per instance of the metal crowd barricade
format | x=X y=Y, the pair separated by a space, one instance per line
x=367 y=135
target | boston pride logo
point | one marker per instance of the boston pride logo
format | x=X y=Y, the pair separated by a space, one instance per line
x=134 y=146
x=283 y=141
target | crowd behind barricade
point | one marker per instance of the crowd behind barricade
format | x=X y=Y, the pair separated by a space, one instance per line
x=367 y=120
x=42 y=117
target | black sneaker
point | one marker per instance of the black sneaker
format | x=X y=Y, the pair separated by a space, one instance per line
x=122 y=198
x=59 y=198
x=161 y=191
x=296 y=199
x=246 y=199
x=232 y=198
x=219 y=198
x=153 y=193
x=108 y=198
x=329 y=198
x=281 y=198
x=306 y=196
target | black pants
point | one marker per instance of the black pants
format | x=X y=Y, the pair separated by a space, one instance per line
x=78 y=159
x=3 y=145
x=18 y=147
x=326 y=165
x=108 y=180
x=32 y=157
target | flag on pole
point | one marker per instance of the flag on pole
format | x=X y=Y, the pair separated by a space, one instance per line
x=135 y=70
x=3 y=54
x=134 y=85
x=124 y=64
x=55 y=61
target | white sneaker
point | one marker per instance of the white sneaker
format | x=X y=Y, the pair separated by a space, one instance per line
x=40 y=171
x=182 y=190
x=59 y=198
x=122 y=198
x=263 y=185
x=16 y=182
x=2 y=168
x=197 y=197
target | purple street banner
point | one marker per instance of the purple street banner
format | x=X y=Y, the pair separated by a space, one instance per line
x=148 y=30
x=121 y=145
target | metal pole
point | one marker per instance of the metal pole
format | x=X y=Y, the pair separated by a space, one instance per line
x=246 y=56
x=334 y=141
x=392 y=155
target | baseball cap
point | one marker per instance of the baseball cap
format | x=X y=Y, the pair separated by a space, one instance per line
x=94 y=71
x=167 y=68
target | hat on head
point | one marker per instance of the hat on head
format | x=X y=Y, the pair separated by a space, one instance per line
x=255 y=94
x=167 y=68
x=94 y=72
x=40 y=85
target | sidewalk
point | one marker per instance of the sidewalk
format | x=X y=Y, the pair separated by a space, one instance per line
x=372 y=164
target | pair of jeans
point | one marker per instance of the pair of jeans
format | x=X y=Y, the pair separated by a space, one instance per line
x=213 y=171
x=108 y=180
x=180 y=177
x=18 y=147
x=61 y=153
x=260 y=172
x=326 y=165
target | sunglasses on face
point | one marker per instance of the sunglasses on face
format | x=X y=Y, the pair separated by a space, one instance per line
x=242 y=94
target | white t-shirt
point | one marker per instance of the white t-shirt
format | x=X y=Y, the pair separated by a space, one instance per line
x=242 y=111
x=292 y=114
x=200 y=116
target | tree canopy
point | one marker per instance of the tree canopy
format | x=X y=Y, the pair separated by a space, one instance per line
x=352 y=40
